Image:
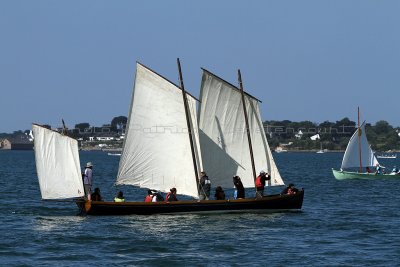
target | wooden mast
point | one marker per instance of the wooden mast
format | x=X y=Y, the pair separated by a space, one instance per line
x=359 y=139
x=189 y=125
x=247 y=127
x=64 y=130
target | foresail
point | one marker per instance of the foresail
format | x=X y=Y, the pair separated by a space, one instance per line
x=225 y=149
x=157 y=153
x=351 y=158
x=276 y=178
x=57 y=164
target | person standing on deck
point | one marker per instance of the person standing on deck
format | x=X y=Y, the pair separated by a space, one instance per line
x=87 y=180
x=204 y=186
x=260 y=183
x=239 y=189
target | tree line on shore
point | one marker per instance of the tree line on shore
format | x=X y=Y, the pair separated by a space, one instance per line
x=289 y=134
x=331 y=135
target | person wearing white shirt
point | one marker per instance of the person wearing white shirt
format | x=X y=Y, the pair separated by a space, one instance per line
x=87 y=179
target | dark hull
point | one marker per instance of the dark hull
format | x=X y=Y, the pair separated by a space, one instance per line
x=267 y=204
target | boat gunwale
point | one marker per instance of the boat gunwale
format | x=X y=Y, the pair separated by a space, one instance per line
x=186 y=202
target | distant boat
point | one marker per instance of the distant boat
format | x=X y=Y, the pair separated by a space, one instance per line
x=280 y=150
x=321 y=151
x=114 y=154
x=387 y=156
x=359 y=155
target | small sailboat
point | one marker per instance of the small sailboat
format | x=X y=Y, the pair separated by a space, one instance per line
x=358 y=155
x=114 y=154
x=162 y=150
x=320 y=151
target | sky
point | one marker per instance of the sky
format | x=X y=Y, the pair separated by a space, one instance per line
x=305 y=60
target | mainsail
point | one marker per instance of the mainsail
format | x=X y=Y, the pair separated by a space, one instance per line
x=223 y=137
x=157 y=152
x=351 y=158
x=57 y=164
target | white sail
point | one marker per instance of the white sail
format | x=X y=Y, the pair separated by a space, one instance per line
x=157 y=152
x=57 y=164
x=225 y=148
x=351 y=158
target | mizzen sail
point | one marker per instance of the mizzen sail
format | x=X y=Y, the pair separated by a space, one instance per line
x=223 y=137
x=351 y=158
x=157 y=151
x=57 y=164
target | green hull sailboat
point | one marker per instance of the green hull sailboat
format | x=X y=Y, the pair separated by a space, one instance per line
x=343 y=175
x=359 y=155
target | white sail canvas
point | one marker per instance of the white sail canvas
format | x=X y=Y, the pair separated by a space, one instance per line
x=351 y=158
x=225 y=148
x=157 y=152
x=57 y=164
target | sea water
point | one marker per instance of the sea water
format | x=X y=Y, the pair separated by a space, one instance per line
x=342 y=223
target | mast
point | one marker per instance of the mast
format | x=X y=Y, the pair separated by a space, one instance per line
x=64 y=130
x=247 y=126
x=189 y=126
x=359 y=139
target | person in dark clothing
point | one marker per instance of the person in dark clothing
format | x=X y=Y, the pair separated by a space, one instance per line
x=219 y=193
x=260 y=183
x=171 y=196
x=204 y=186
x=96 y=196
x=239 y=189
x=289 y=190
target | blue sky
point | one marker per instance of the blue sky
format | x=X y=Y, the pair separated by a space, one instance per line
x=306 y=60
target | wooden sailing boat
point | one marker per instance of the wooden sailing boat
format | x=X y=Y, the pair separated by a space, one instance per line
x=162 y=150
x=358 y=155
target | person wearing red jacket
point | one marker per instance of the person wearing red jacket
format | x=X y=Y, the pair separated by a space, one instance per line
x=260 y=183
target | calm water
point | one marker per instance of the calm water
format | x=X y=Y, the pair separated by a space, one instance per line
x=347 y=223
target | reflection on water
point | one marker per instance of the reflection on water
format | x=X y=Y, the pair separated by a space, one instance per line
x=62 y=223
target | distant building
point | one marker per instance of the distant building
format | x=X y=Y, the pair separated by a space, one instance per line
x=104 y=138
x=17 y=143
x=299 y=135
